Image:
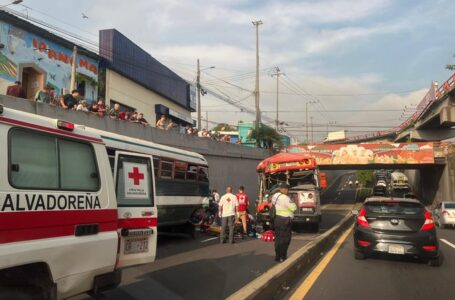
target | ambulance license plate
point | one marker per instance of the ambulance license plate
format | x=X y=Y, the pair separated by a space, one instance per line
x=136 y=245
x=396 y=249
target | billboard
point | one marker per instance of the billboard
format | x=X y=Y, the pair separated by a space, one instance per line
x=363 y=154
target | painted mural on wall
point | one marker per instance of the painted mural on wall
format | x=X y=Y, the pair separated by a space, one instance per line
x=25 y=49
x=368 y=153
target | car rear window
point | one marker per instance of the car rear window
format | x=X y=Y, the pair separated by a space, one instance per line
x=449 y=205
x=394 y=208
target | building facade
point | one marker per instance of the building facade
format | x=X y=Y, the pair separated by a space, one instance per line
x=37 y=57
x=138 y=82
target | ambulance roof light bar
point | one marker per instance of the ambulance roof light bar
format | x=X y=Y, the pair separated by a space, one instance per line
x=65 y=125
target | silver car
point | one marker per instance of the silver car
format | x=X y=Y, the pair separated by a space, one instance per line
x=444 y=214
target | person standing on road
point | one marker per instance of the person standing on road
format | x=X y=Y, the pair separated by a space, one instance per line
x=243 y=205
x=216 y=196
x=227 y=211
x=285 y=209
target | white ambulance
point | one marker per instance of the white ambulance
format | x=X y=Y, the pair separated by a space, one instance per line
x=66 y=223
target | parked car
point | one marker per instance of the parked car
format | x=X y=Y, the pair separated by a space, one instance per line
x=393 y=226
x=444 y=214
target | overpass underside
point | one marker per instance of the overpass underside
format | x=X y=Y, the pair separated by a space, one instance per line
x=439 y=162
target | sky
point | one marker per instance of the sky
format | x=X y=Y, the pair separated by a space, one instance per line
x=340 y=56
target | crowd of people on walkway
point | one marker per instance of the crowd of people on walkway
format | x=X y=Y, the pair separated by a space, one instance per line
x=166 y=123
x=74 y=101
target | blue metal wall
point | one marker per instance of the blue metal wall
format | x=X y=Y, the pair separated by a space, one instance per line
x=125 y=57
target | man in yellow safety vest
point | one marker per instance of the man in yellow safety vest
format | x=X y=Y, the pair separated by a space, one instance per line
x=285 y=209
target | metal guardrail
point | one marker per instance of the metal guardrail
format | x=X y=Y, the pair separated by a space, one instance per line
x=432 y=96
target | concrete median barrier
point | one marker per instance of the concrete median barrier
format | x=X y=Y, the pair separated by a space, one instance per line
x=276 y=280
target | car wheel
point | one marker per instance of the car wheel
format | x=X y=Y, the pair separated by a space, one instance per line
x=359 y=255
x=315 y=227
x=435 y=262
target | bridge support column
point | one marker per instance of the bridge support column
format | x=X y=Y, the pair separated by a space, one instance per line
x=434 y=184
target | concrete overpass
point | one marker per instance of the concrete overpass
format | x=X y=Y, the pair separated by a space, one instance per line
x=432 y=121
x=429 y=166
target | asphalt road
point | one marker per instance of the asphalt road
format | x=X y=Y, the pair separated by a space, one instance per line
x=201 y=268
x=387 y=277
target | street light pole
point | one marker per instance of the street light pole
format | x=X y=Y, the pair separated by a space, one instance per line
x=198 y=85
x=256 y=91
x=277 y=74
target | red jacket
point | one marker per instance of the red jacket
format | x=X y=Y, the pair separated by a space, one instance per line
x=243 y=201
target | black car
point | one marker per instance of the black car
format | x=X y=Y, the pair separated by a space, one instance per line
x=398 y=227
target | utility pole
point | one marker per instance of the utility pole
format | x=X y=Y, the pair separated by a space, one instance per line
x=73 y=70
x=207 y=120
x=306 y=121
x=256 y=90
x=198 y=85
x=277 y=74
x=311 y=122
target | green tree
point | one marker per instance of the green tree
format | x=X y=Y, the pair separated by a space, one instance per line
x=451 y=67
x=267 y=136
x=224 y=127
x=365 y=177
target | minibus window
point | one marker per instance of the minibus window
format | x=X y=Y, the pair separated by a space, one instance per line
x=77 y=167
x=33 y=160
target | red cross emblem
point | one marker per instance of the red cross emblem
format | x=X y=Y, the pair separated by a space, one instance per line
x=136 y=176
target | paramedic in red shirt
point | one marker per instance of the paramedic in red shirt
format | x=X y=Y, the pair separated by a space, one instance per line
x=243 y=205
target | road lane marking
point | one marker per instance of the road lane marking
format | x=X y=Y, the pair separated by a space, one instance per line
x=210 y=239
x=447 y=243
x=305 y=287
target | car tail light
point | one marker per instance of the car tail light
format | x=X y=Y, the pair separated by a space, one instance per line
x=429 y=224
x=429 y=248
x=445 y=213
x=363 y=243
x=361 y=219
x=65 y=125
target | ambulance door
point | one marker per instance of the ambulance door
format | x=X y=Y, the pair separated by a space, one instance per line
x=137 y=213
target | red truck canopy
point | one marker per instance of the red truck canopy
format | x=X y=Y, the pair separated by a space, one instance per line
x=286 y=161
